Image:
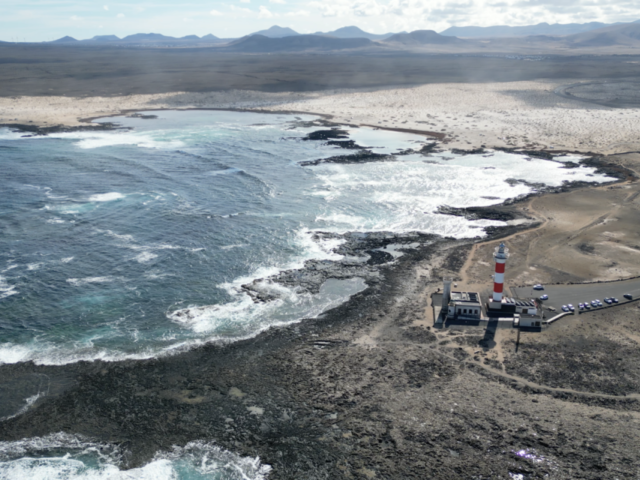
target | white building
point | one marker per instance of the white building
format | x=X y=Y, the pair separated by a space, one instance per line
x=464 y=305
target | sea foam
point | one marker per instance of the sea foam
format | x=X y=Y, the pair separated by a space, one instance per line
x=63 y=456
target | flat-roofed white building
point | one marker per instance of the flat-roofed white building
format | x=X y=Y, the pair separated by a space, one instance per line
x=464 y=305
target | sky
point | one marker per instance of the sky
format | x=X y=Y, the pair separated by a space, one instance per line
x=44 y=20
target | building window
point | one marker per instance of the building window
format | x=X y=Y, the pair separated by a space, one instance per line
x=465 y=310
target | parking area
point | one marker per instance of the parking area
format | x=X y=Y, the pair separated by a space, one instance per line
x=560 y=295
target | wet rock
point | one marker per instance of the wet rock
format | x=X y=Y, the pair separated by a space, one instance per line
x=42 y=131
x=142 y=116
x=334 y=133
x=490 y=212
x=364 y=156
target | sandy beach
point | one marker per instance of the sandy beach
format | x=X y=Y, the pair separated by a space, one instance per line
x=517 y=114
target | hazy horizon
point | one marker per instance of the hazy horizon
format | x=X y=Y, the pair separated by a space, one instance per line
x=46 y=20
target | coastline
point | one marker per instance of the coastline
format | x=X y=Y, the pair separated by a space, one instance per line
x=338 y=392
x=321 y=410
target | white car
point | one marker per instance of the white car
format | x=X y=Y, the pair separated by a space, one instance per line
x=565 y=308
x=538 y=287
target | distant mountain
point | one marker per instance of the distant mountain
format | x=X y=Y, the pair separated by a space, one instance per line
x=424 y=37
x=103 y=39
x=261 y=43
x=146 y=39
x=66 y=39
x=355 y=32
x=523 y=31
x=626 y=34
x=276 y=32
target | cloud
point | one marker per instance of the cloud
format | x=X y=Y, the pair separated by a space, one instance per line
x=106 y=7
x=75 y=18
x=240 y=9
x=264 y=12
x=299 y=13
x=281 y=2
x=120 y=15
x=216 y=13
x=245 y=1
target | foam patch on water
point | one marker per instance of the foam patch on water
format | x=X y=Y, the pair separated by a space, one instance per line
x=7 y=134
x=62 y=456
x=91 y=140
x=145 y=257
x=79 y=282
x=229 y=247
x=6 y=289
x=404 y=195
x=243 y=318
x=106 y=197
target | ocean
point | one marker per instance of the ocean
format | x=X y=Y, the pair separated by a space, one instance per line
x=109 y=237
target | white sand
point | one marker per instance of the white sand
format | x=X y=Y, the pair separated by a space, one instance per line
x=491 y=114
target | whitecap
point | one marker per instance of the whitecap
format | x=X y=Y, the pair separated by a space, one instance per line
x=145 y=257
x=106 y=197
x=92 y=140
x=6 y=289
x=229 y=247
x=78 y=282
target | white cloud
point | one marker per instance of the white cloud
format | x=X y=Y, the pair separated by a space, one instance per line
x=245 y=1
x=240 y=9
x=281 y=2
x=264 y=12
x=216 y=13
x=75 y=18
x=299 y=13
x=106 y=7
x=120 y=15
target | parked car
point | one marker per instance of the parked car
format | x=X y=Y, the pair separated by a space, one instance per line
x=581 y=306
x=587 y=306
x=628 y=296
x=538 y=287
x=565 y=308
x=571 y=307
x=544 y=297
x=594 y=303
x=614 y=300
x=608 y=300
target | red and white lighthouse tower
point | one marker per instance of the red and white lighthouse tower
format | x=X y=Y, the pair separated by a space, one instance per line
x=501 y=254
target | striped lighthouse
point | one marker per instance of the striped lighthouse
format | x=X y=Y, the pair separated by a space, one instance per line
x=501 y=254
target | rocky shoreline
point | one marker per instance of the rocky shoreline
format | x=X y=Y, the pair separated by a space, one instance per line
x=313 y=404
x=363 y=391
x=40 y=131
